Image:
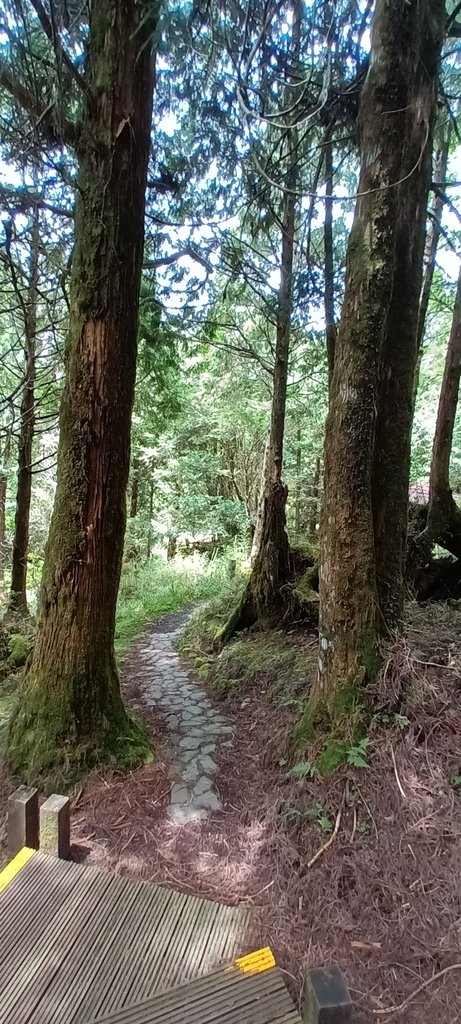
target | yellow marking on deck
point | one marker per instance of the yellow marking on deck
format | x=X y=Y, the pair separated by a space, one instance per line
x=257 y=962
x=15 y=866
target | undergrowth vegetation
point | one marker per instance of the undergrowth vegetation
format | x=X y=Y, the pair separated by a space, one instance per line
x=278 y=664
x=148 y=590
x=151 y=589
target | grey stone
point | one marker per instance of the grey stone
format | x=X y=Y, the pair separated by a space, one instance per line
x=55 y=826
x=180 y=794
x=203 y=785
x=207 y=764
x=189 y=742
x=326 y=998
x=183 y=815
x=23 y=820
x=209 y=801
x=191 y=773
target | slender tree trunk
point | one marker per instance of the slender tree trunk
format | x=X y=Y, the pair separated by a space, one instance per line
x=444 y=517
x=298 y=484
x=329 y=297
x=272 y=563
x=314 y=517
x=430 y=249
x=18 y=591
x=406 y=40
x=71 y=709
x=3 y=486
x=134 y=490
x=151 y=510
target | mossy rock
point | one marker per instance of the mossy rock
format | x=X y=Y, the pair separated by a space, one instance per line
x=19 y=648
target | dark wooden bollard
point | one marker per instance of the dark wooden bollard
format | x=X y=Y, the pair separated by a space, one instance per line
x=23 y=820
x=326 y=998
x=55 y=826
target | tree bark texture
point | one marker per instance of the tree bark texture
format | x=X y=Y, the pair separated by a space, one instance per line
x=444 y=517
x=271 y=557
x=398 y=98
x=3 y=488
x=18 y=591
x=71 y=707
x=329 y=297
x=399 y=349
x=433 y=234
x=314 y=516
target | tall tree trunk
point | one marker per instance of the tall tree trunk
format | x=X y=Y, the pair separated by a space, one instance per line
x=430 y=249
x=329 y=296
x=391 y=457
x=272 y=563
x=406 y=40
x=444 y=516
x=71 y=709
x=18 y=591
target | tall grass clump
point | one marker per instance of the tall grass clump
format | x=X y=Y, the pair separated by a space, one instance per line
x=151 y=589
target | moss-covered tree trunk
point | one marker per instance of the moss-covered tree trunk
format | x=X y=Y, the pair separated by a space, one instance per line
x=70 y=706
x=18 y=591
x=405 y=38
x=399 y=350
x=444 y=516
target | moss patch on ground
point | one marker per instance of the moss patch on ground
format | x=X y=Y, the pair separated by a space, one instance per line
x=279 y=664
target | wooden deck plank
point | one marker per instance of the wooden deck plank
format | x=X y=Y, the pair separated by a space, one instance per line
x=81 y=942
x=78 y=973
x=226 y=996
x=42 y=960
x=116 y=957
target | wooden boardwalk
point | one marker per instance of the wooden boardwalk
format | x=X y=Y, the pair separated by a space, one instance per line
x=224 y=997
x=78 y=943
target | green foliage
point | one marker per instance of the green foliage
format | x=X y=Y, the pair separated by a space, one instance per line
x=316 y=813
x=356 y=754
x=274 y=663
x=303 y=770
x=456 y=781
x=150 y=590
x=333 y=756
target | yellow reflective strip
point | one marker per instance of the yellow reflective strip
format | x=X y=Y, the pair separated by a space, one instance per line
x=15 y=866
x=257 y=962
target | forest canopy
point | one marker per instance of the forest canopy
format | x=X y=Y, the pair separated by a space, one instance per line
x=230 y=322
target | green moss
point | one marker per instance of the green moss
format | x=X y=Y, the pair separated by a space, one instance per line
x=19 y=647
x=50 y=741
x=333 y=755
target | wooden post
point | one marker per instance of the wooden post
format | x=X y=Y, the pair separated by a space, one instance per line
x=326 y=998
x=55 y=826
x=23 y=820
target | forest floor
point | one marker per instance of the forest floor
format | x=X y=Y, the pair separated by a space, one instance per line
x=361 y=868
